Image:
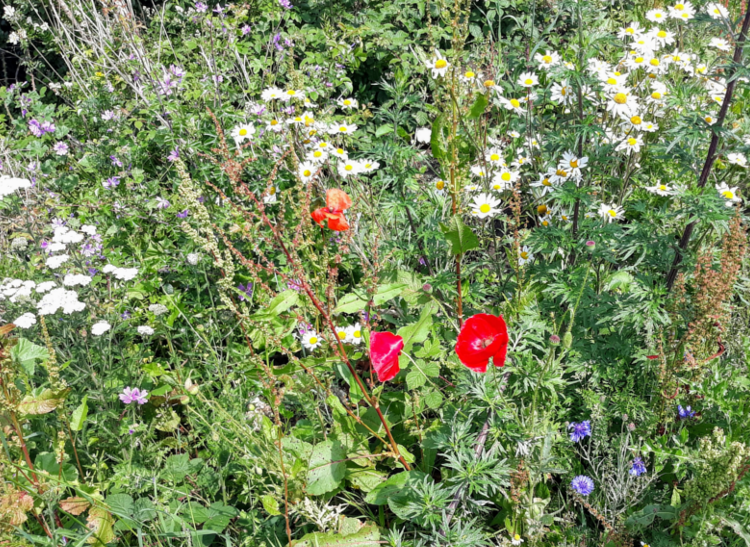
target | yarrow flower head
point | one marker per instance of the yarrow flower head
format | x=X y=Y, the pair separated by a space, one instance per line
x=580 y=431
x=134 y=395
x=637 y=467
x=582 y=485
x=99 y=328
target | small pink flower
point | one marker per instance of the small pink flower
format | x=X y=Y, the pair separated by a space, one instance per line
x=134 y=395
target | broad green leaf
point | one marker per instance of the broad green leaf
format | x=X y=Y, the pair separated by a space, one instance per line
x=437 y=139
x=47 y=463
x=326 y=468
x=270 y=505
x=477 y=109
x=418 y=332
x=120 y=505
x=351 y=302
x=433 y=399
x=282 y=302
x=26 y=353
x=383 y=130
x=79 y=415
x=42 y=402
x=386 y=292
x=460 y=236
x=100 y=523
x=365 y=479
x=380 y=494
x=367 y=536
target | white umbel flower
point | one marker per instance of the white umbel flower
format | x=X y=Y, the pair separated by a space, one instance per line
x=100 y=327
x=26 y=321
x=60 y=299
x=8 y=185
x=145 y=330
x=72 y=280
x=54 y=262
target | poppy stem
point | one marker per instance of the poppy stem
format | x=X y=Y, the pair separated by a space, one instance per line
x=459 y=301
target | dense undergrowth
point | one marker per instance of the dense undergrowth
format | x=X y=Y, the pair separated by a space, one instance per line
x=375 y=273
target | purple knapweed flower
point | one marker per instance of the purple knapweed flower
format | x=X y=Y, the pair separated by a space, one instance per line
x=134 y=395
x=637 y=467
x=685 y=413
x=580 y=430
x=582 y=484
x=174 y=155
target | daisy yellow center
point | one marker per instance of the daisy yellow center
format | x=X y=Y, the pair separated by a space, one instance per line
x=291 y=92
x=636 y=120
x=546 y=182
x=340 y=150
x=639 y=60
x=469 y=74
x=528 y=81
x=656 y=95
x=728 y=194
x=484 y=208
x=663 y=187
x=347 y=102
x=657 y=15
x=632 y=141
x=441 y=63
x=495 y=157
x=271 y=190
x=243 y=132
x=368 y=165
x=274 y=122
x=343 y=129
x=563 y=91
x=516 y=537
x=621 y=98
x=574 y=163
x=561 y=173
x=547 y=59
x=505 y=177
x=323 y=144
x=524 y=255
x=612 y=213
x=701 y=70
x=489 y=83
x=298 y=119
x=440 y=185
x=357 y=334
x=514 y=103
x=542 y=209
x=630 y=30
x=661 y=34
x=677 y=58
x=545 y=223
x=307 y=172
x=617 y=73
x=654 y=62
x=342 y=334
x=679 y=7
x=611 y=81
x=481 y=173
x=317 y=154
x=564 y=217
x=313 y=340
x=709 y=119
x=348 y=167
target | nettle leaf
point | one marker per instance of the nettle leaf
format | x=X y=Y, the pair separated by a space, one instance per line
x=459 y=235
x=26 y=353
x=326 y=468
x=42 y=402
x=101 y=523
x=121 y=505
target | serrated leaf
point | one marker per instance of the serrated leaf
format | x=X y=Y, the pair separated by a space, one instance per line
x=415 y=379
x=326 y=469
x=459 y=235
x=120 y=505
x=74 y=505
x=433 y=399
x=79 y=415
x=26 y=353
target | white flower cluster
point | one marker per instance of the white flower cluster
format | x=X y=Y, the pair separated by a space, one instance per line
x=8 y=185
x=124 y=274
x=71 y=280
x=60 y=299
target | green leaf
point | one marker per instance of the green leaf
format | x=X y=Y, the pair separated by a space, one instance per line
x=326 y=470
x=417 y=332
x=270 y=505
x=352 y=302
x=26 y=353
x=383 y=130
x=437 y=139
x=121 y=505
x=79 y=415
x=477 y=109
x=42 y=402
x=367 y=536
x=365 y=479
x=282 y=302
x=380 y=494
x=433 y=399
x=460 y=236
x=100 y=523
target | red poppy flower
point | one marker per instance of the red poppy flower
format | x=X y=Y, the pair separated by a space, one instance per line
x=385 y=347
x=482 y=337
x=336 y=203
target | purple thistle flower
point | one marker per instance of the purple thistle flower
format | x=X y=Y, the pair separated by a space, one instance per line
x=580 y=430
x=582 y=484
x=637 y=468
x=685 y=413
x=174 y=155
x=182 y=214
x=134 y=395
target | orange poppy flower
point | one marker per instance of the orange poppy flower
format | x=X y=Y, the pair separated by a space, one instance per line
x=337 y=201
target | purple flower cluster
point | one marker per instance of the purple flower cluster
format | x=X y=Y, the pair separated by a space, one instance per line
x=115 y=161
x=637 y=467
x=39 y=129
x=247 y=290
x=582 y=484
x=580 y=431
x=134 y=395
x=171 y=79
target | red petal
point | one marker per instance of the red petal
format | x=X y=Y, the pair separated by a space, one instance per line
x=338 y=222
x=482 y=337
x=319 y=216
x=337 y=200
x=385 y=347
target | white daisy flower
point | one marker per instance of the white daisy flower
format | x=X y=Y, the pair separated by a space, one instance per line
x=354 y=334
x=729 y=194
x=439 y=185
x=438 y=65
x=717 y=11
x=271 y=94
x=340 y=153
x=631 y=144
x=721 y=44
x=682 y=10
x=525 y=256
x=484 y=205
x=368 y=166
x=544 y=183
x=737 y=158
x=528 y=79
x=656 y=15
x=545 y=221
x=307 y=171
x=349 y=168
x=517 y=540
x=348 y=103
x=316 y=156
x=311 y=340
x=611 y=212
x=494 y=156
x=661 y=189
x=622 y=103
x=242 y=132
x=269 y=196
x=562 y=93
x=343 y=334
x=633 y=30
x=290 y=94
x=548 y=60
x=345 y=128
x=512 y=104
x=275 y=125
